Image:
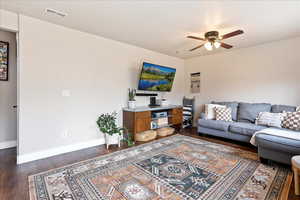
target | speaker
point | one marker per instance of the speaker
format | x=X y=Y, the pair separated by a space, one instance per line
x=153 y=102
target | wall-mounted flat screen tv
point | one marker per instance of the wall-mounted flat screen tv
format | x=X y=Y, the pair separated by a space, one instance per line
x=156 y=78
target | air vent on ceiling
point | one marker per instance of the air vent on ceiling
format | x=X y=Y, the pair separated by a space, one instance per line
x=56 y=12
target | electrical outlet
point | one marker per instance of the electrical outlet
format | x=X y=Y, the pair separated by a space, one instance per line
x=66 y=134
x=66 y=93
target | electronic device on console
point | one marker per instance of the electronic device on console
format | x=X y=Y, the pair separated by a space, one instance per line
x=160 y=114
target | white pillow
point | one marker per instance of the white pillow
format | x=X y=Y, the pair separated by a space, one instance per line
x=270 y=119
x=298 y=109
x=210 y=112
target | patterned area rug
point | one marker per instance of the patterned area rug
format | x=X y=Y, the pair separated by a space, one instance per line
x=177 y=167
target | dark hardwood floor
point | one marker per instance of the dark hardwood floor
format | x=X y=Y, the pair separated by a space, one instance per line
x=13 y=178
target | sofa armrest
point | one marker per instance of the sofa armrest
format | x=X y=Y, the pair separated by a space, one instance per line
x=202 y=115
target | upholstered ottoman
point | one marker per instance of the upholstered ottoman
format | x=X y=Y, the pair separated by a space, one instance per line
x=145 y=136
x=277 y=148
x=165 y=131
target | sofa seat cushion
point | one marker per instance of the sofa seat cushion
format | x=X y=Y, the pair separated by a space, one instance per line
x=245 y=128
x=214 y=124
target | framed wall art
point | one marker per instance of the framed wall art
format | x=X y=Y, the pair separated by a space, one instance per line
x=195 y=82
x=4 y=49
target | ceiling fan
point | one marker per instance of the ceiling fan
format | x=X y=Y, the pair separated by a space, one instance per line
x=212 y=39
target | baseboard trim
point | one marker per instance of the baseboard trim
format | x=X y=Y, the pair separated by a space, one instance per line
x=8 y=144
x=57 y=151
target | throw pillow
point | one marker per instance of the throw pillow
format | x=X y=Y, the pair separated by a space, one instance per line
x=230 y=104
x=298 y=109
x=210 y=111
x=269 y=119
x=291 y=121
x=223 y=114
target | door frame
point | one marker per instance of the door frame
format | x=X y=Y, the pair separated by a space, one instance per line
x=16 y=32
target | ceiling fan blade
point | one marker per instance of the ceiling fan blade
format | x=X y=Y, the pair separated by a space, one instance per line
x=226 y=46
x=197 y=47
x=234 y=33
x=197 y=38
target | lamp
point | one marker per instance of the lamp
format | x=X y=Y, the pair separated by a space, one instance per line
x=217 y=44
x=208 y=46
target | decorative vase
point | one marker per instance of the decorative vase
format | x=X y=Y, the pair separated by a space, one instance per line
x=131 y=104
x=112 y=139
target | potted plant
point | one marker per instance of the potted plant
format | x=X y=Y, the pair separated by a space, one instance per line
x=131 y=95
x=108 y=125
x=128 y=138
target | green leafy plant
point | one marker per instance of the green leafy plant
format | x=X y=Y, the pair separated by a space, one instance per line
x=131 y=94
x=107 y=124
x=128 y=138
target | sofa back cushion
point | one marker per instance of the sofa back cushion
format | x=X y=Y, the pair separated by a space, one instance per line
x=248 y=112
x=282 y=108
x=234 y=108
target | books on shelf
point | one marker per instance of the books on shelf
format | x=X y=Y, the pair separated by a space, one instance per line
x=160 y=122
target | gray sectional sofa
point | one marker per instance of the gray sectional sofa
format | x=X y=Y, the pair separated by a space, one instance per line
x=243 y=126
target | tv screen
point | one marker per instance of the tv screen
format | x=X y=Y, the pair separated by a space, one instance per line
x=156 y=78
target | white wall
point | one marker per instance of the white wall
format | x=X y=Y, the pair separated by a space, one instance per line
x=8 y=95
x=96 y=71
x=265 y=73
x=8 y=20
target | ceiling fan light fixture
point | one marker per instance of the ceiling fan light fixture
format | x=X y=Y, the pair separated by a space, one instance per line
x=214 y=41
x=217 y=44
x=208 y=46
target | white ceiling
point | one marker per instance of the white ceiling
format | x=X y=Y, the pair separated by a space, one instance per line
x=163 y=25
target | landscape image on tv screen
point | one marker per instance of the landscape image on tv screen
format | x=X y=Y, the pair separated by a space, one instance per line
x=156 y=77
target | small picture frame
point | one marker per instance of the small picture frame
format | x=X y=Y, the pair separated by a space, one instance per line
x=195 y=82
x=4 y=57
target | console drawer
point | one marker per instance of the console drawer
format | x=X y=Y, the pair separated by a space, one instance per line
x=146 y=114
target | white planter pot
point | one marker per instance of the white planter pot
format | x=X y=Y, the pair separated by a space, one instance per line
x=112 y=139
x=131 y=104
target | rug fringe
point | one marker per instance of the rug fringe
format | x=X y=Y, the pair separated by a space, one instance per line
x=32 y=194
